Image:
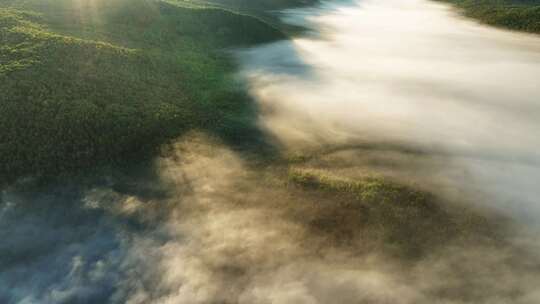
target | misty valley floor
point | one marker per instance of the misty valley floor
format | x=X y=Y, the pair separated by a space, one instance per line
x=194 y=152
x=208 y=227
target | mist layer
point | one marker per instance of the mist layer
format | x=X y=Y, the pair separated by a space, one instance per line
x=410 y=75
x=408 y=176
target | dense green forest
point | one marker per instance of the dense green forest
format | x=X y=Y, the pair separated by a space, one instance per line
x=89 y=83
x=522 y=15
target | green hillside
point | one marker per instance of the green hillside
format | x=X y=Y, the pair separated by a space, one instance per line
x=522 y=15
x=88 y=83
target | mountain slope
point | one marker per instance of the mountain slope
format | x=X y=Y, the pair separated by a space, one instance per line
x=522 y=15
x=99 y=82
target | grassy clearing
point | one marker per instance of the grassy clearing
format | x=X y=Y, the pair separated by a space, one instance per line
x=521 y=15
x=95 y=83
x=407 y=222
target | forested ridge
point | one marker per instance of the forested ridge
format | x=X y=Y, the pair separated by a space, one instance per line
x=521 y=15
x=91 y=83
x=96 y=83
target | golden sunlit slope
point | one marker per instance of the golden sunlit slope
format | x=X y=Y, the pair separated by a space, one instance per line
x=97 y=82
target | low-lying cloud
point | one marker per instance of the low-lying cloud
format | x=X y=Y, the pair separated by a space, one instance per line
x=225 y=232
x=410 y=74
x=395 y=88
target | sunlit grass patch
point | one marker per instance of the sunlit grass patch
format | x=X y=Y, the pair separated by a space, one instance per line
x=382 y=213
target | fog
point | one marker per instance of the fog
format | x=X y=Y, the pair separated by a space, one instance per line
x=210 y=228
x=400 y=89
x=411 y=74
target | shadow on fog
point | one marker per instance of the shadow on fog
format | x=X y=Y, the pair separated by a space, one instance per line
x=56 y=250
x=282 y=57
x=70 y=241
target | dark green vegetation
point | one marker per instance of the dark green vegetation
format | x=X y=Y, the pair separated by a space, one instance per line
x=522 y=15
x=90 y=83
